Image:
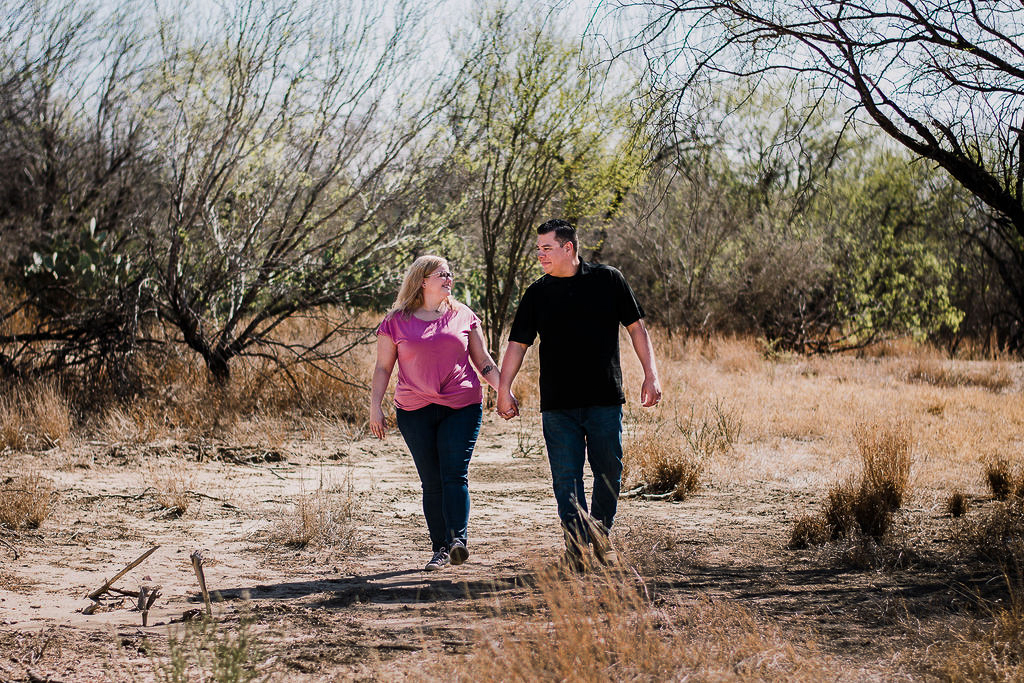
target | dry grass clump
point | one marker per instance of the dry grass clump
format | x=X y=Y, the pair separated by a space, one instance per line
x=995 y=376
x=998 y=535
x=326 y=518
x=172 y=489
x=658 y=460
x=1003 y=479
x=656 y=463
x=606 y=627
x=33 y=415
x=956 y=504
x=864 y=506
x=26 y=501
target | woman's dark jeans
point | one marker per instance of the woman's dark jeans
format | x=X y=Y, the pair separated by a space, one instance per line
x=441 y=441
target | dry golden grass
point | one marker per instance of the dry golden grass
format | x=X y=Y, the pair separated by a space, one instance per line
x=990 y=650
x=26 y=500
x=172 y=488
x=673 y=458
x=992 y=375
x=326 y=518
x=33 y=415
x=606 y=626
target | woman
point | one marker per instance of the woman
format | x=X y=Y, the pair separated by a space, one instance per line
x=438 y=396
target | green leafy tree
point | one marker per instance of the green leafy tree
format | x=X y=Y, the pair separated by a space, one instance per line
x=533 y=140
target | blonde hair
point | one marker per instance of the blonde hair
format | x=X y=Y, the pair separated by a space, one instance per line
x=410 y=294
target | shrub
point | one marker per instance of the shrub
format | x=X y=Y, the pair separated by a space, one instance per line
x=809 y=530
x=27 y=501
x=885 y=450
x=865 y=506
x=661 y=464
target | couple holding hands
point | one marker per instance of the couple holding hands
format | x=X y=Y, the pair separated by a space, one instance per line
x=576 y=309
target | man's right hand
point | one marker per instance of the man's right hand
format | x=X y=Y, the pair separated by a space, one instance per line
x=507 y=407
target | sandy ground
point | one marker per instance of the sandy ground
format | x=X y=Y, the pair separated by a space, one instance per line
x=368 y=611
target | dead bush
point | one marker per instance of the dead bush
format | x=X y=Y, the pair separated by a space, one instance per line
x=172 y=489
x=27 y=501
x=885 y=449
x=659 y=462
x=994 y=376
x=809 y=530
x=998 y=535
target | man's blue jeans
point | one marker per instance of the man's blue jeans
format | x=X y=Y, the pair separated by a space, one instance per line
x=594 y=433
x=441 y=440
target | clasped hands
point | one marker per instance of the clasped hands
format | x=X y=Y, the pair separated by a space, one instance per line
x=508 y=406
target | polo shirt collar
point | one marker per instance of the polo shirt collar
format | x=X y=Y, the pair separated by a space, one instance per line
x=584 y=268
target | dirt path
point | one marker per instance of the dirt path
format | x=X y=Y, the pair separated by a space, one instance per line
x=370 y=612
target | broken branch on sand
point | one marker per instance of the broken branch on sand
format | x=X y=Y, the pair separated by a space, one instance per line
x=106 y=586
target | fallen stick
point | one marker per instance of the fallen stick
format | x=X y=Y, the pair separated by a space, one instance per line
x=197 y=564
x=106 y=586
x=13 y=549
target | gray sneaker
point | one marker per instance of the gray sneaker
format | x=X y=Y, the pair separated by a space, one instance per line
x=458 y=552
x=439 y=561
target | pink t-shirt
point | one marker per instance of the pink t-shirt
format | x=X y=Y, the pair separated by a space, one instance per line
x=433 y=359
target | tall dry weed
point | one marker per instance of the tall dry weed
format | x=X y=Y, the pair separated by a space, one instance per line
x=26 y=500
x=864 y=505
x=606 y=627
x=33 y=415
x=172 y=488
x=886 y=452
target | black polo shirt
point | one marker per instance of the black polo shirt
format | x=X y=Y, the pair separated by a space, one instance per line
x=578 y=321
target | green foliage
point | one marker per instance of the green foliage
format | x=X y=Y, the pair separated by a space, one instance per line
x=87 y=264
x=893 y=272
x=208 y=651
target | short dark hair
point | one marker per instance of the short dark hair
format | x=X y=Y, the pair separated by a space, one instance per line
x=564 y=232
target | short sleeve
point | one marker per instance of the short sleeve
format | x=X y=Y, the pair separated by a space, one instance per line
x=386 y=328
x=524 y=325
x=627 y=308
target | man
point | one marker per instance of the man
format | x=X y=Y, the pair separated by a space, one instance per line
x=576 y=309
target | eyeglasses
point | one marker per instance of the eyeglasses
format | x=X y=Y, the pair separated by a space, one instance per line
x=443 y=275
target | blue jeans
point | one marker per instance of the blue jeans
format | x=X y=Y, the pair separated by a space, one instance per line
x=594 y=432
x=441 y=441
